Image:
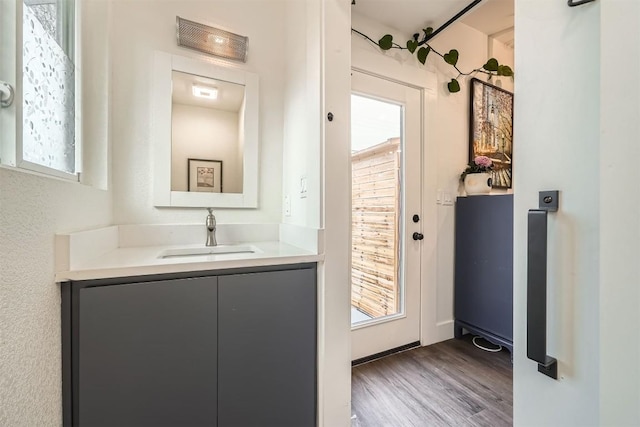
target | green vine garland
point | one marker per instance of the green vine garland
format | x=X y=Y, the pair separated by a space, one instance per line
x=421 y=48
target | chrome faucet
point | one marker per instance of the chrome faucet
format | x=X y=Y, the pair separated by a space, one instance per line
x=211 y=229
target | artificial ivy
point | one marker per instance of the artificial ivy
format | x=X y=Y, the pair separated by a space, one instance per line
x=421 y=48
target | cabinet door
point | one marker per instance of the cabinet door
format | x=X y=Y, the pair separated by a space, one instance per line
x=484 y=263
x=267 y=349
x=147 y=354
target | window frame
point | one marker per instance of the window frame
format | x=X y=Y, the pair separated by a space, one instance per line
x=11 y=118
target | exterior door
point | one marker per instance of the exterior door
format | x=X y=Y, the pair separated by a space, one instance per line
x=386 y=188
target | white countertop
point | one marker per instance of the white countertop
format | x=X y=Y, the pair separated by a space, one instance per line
x=145 y=260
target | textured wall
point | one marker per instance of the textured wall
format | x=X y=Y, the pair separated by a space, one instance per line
x=32 y=210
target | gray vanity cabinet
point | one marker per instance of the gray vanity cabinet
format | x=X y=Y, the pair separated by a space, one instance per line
x=227 y=348
x=267 y=349
x=147 y=354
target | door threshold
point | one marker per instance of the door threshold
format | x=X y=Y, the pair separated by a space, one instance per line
x=385 y=353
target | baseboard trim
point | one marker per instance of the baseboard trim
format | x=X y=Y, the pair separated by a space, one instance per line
x=445 y=330
x=382 y=354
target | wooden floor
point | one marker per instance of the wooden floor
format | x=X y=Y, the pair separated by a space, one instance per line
x=452 y=383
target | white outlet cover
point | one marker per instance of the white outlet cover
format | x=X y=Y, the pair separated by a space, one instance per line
x=287 y=205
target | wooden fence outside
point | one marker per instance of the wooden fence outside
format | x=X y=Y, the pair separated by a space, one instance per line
x=375 y=214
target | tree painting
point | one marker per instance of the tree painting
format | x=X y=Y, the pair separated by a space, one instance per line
x=491 y=132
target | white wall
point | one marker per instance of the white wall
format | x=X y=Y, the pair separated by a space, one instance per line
x=446 y=144
x=139 y=28
x=302 y=120
x=334 y=367
x=557 y=124
x=204 y=133
x=32 y=210
x=449 y=128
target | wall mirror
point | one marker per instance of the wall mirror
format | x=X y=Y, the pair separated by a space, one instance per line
x=205 y=134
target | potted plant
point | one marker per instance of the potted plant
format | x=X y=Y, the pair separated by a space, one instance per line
x=477 y=176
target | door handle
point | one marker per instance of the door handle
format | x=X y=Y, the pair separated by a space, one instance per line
x=418 y=236
x=537 y=284
x=6 y=94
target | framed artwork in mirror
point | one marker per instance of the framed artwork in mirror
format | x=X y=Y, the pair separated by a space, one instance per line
x=491 y=129
x=205 y=175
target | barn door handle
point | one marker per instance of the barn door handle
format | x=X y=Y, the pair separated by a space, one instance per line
x=537 y=284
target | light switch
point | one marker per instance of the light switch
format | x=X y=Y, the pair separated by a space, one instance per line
x=439 y=197
x=447 y=199
x=303 y=186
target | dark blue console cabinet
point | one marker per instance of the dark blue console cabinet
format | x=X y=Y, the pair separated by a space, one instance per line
x=483 y=296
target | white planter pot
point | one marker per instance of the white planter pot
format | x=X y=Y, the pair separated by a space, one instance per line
x=477 y=183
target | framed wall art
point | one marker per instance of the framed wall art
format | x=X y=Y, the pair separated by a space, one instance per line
x=491 y=129
x=205 y=175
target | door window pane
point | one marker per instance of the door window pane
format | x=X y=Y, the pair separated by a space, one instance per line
x=376 y=215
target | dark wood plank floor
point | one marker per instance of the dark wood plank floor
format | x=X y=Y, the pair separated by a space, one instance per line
x=452 y=383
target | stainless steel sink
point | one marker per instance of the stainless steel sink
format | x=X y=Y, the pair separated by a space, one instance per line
x=209 y=250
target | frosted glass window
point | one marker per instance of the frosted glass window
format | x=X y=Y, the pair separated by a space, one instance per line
x=46 y=13
x=48 y=137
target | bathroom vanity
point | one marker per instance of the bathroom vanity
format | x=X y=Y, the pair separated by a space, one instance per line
x=212 y=339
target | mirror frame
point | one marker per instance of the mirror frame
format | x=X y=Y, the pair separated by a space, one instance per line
x=164 y=64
